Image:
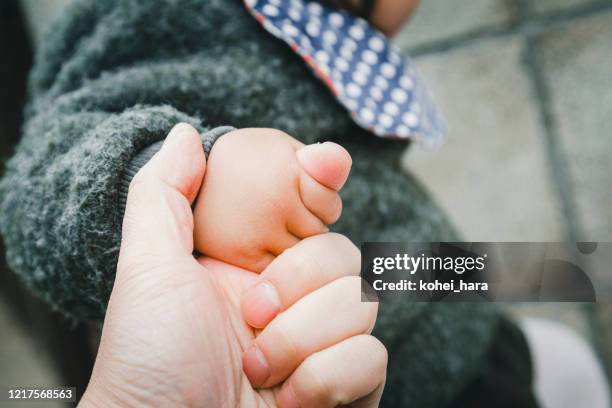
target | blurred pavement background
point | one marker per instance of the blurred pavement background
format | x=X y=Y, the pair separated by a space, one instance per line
x=526 y=87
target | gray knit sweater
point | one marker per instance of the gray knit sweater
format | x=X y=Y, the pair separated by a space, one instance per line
x=113 y=77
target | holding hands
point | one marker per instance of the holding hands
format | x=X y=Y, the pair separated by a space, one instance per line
x=181 y=331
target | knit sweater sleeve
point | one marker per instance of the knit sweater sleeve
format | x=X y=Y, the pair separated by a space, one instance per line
x=93 y=119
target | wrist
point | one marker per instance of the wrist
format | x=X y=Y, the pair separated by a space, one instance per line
x=141 y=158
x=99 y=394
x=96 y=397
x=120 y=391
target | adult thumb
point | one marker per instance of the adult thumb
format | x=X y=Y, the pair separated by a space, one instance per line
x=158 y=221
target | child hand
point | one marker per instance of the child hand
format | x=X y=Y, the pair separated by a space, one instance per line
x=263 y=192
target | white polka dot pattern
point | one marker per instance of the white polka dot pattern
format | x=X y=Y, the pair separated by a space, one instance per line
x=366 y=73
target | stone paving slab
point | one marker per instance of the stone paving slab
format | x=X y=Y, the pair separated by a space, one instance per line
x=441 y=19
x=21 y=362
x=547 y=6
x=577 y=61
x=573 y=315
x=604 y=321
x=491 y=176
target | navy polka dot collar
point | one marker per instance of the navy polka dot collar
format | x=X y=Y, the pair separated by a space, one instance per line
x=365 y=72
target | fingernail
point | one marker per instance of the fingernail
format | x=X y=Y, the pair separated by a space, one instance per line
x=286 y=397
x=261 y=304
x=255 y=366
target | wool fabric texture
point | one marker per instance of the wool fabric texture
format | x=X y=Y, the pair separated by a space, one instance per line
x=114 y=76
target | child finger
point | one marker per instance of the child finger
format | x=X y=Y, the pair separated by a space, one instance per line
x=303 y=224
x=323 y=202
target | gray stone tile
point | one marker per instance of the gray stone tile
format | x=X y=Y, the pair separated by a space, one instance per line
x=21 y=362
x=546 y=6
x=491 y=175
x=577 y=61
x=604 y=316
x=572 y=315
x=441 y=19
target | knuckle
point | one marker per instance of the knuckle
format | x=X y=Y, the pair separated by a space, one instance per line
x=380 y=358
x=348 y=291
x=351 y=284
x=310 y=383
x=348 y=248
x=379 y=353
x=282 y=340
x=371 y=314
x=364 y=312
x=339 y=239
x=302 y=262
x=372 y=319
x=293 y=260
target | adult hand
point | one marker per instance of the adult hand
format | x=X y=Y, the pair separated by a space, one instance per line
x=175 y=334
